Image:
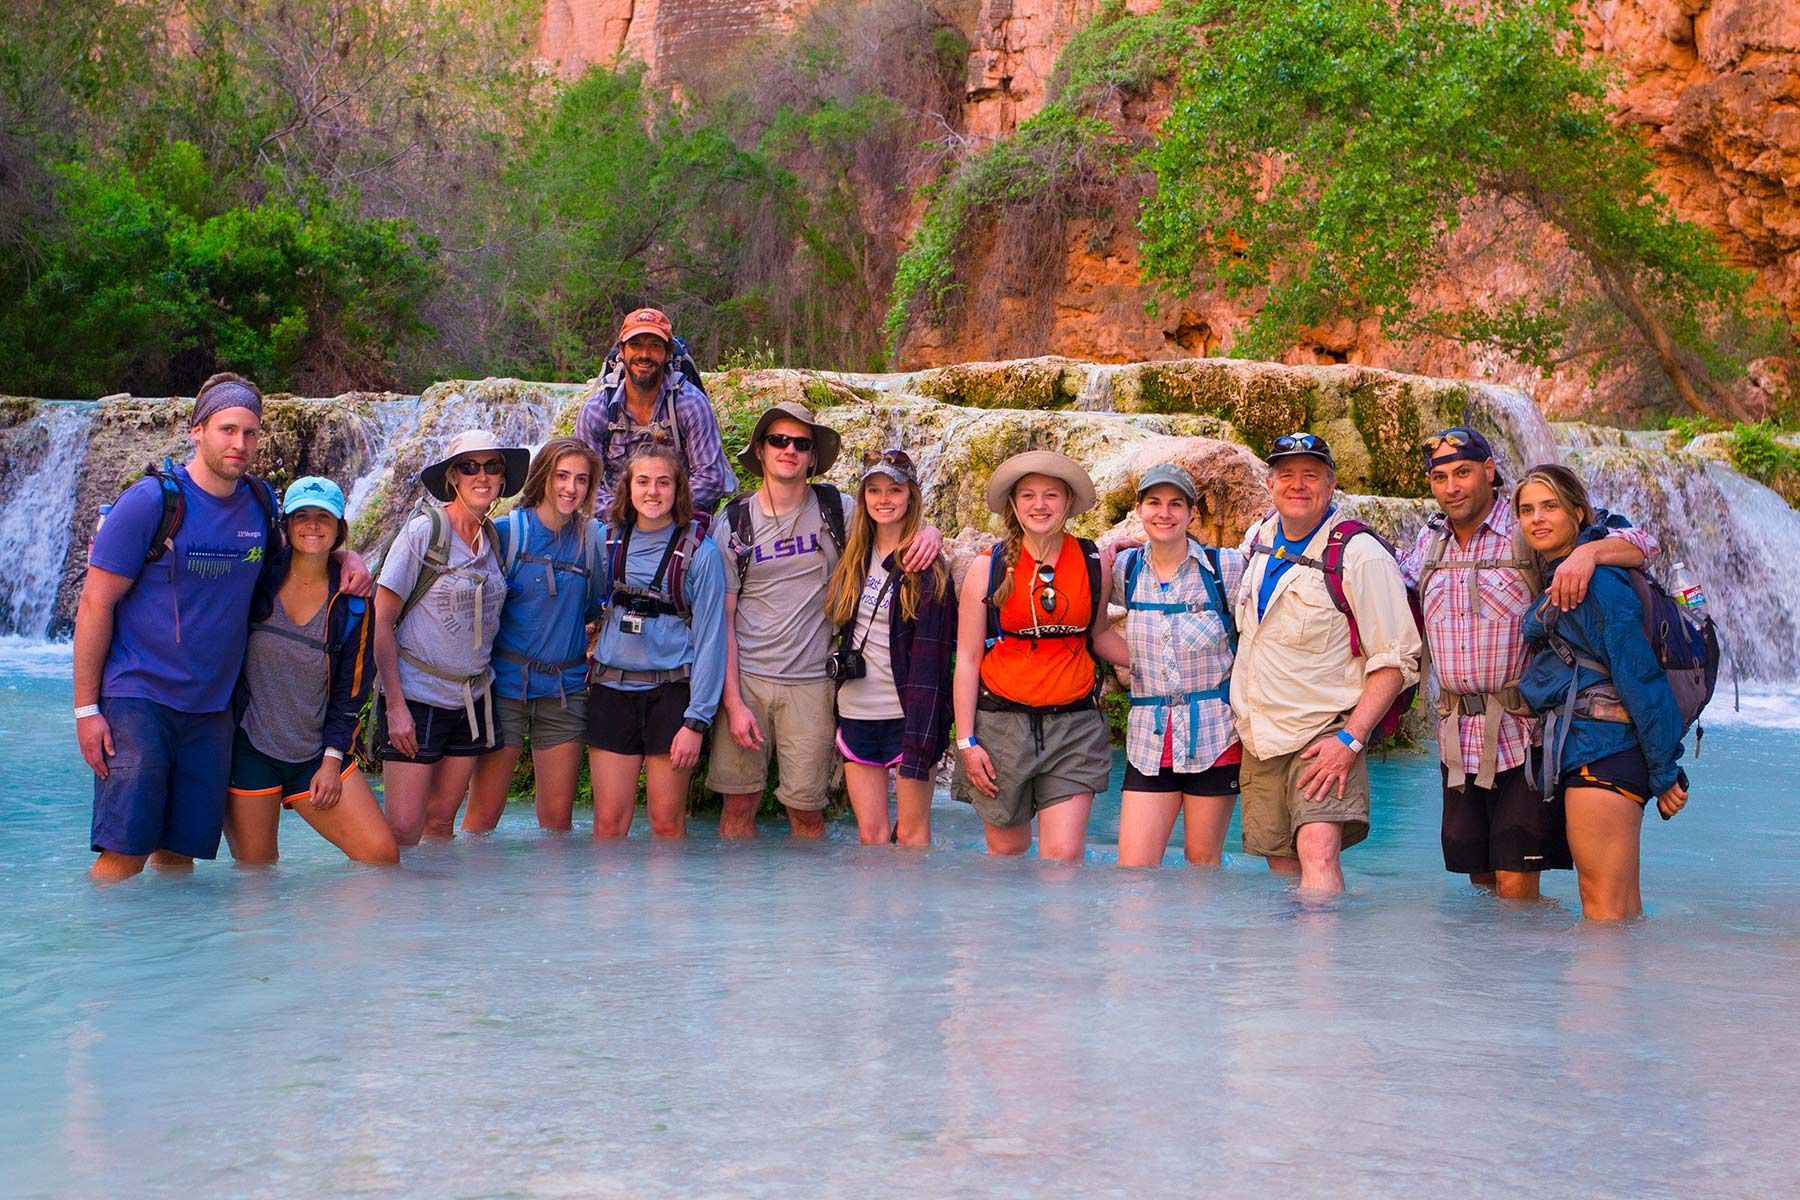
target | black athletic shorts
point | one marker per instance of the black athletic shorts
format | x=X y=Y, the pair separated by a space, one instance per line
x=442 y=733
x=1508 y=827
x=1214 y=781
x=1625 y=773
x=645 y=722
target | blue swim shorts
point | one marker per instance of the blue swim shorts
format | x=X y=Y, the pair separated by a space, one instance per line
x=165 y=789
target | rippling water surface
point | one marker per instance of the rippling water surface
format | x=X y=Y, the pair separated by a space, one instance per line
x=528 y=1015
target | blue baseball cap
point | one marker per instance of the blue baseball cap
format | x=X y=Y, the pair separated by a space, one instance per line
x=313 y=491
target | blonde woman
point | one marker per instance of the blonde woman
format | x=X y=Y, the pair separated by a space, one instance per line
x=896 y=631
x=550 y=550
x=1032 y=741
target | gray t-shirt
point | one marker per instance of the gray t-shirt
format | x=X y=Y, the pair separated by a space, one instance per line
x=781 y=628
x=873 y=697
x=453 y=627
x=288 y=677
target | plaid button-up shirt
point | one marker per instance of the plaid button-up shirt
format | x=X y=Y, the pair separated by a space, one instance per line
x=1175 y=653
x=1475 y=644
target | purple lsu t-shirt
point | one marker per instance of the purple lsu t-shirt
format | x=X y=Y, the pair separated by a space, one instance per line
x=179 y=633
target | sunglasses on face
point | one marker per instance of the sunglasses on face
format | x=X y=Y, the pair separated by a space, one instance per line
x=1297 y=441
x=892 y=458
x=492 y=466
x=1455 y=437
x=781 y=441
x=1046 y=580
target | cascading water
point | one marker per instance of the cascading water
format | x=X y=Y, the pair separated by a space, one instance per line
x=37 y=506
x=1526 y=439
x=382 y=429
x=1740 y=539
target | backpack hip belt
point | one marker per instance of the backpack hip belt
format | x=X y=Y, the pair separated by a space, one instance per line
x=621 y=675
x=467 y=683
x=535 y=666
x=1452 y=707
x=1193 y=700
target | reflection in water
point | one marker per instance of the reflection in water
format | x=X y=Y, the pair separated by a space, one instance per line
x=532 y=1014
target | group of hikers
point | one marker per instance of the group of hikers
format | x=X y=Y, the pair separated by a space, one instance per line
x=227 y=643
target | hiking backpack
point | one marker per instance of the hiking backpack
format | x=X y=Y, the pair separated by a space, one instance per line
x=1090 y=553
x=612 y=368
x=436 y=563
x=512 y=553
x=1331 y=565
x=1215 y=590
x=743 y=536
x=671 y=600
x=174 y=510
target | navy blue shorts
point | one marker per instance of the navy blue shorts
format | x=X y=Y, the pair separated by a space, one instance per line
x=166 y=781
x=871 y=743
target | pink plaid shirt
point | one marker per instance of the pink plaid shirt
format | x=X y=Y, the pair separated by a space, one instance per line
x=1479 y=648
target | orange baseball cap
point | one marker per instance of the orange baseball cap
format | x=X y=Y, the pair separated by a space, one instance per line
x=647 y=320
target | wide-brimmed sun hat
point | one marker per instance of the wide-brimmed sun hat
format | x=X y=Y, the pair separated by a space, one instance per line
x=313 y=491
x=825 y=439
x=1041 y=462
x=476 y=441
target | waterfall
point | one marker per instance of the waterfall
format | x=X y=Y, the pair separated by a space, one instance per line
x=1740 y=540
x=1097 y=393
x=37 y=511
x=382 y=430
x=1526 y=439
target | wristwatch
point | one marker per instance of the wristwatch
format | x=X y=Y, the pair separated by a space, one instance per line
x=1349 y=739
x=696 y=724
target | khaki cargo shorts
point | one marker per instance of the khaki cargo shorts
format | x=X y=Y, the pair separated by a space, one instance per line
x=799 y=725
x=544 y=722
x=1065 y=755
x=1274 y=810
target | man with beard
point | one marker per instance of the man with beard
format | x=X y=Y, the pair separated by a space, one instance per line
x=653 y=401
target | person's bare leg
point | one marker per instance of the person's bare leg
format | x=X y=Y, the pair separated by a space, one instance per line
x=557 y=769
x=1604 y=828
x=404 y=786
x=354 y=824
x=488 y=789
x=666 y=797
x=615 y=779
x=868 y=788
x=1516 y=885
x=1204 y=821
x=912 y=802
x=1320 y=844
x=737 y=814
x=1283 y=864
x=805 y=823
x=110 y=867
x=449 y=784
x=1009 y=841
x=1485 y=879
x=1146 y=819
x=252 y=825
x=168 y=860
x=1062 y=829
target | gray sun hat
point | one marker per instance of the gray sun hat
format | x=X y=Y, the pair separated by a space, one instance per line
x=825 y=439
x=476 y=441
x=1040 y=462
x=1176 y=477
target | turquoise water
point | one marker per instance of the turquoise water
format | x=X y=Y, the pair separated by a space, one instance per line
x=531 y=1015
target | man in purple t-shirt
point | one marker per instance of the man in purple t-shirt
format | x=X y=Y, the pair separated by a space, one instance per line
x=159 y=640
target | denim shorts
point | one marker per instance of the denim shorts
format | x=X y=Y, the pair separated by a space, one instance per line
x=166 y=781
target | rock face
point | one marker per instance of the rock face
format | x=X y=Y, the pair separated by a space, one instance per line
x=1713 y=84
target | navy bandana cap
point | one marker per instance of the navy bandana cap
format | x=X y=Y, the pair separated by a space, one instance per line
x=221 y=396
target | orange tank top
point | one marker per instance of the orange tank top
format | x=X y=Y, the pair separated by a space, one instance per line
x=1047 y=671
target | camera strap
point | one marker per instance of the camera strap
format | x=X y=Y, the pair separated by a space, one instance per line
x=879 y=597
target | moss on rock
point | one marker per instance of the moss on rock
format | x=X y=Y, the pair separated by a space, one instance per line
x=1034 y=383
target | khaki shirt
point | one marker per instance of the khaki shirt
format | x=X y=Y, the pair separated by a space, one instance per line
x=1295 y=675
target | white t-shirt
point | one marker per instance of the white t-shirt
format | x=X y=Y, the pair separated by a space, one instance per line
x=873 y=697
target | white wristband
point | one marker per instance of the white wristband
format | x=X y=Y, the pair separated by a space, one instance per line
x=87 y=710
x=332 y=752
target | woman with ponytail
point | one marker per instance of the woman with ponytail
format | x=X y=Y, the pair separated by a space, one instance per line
x=1031 y=739
x=896 y=631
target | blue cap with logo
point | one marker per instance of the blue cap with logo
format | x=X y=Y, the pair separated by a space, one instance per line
x=313 y=491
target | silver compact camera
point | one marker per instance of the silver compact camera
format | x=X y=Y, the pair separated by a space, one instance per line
x=631 y=623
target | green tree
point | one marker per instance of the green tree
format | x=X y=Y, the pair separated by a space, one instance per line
x=1320 y=153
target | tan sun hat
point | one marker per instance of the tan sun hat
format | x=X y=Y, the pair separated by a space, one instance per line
x=825 y=439
x=1041 y=462
x=476 y=441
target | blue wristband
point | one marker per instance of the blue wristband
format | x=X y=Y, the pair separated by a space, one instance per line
x=1349 y=739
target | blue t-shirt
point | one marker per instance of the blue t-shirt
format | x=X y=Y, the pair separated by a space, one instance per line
x=668 y=642
x=536 y=625
x=1280 y=566
x=179 y=633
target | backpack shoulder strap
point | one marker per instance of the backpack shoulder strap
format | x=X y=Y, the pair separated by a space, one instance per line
x=831 y=508
x=691 y=537
x=737 y=520
x=174 y=509
x=995 y=578
x=1134 y=566
x=513 y=523
x=1215 y=586
x=435 y=564
x=1090 y=551
x=1332 y=565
